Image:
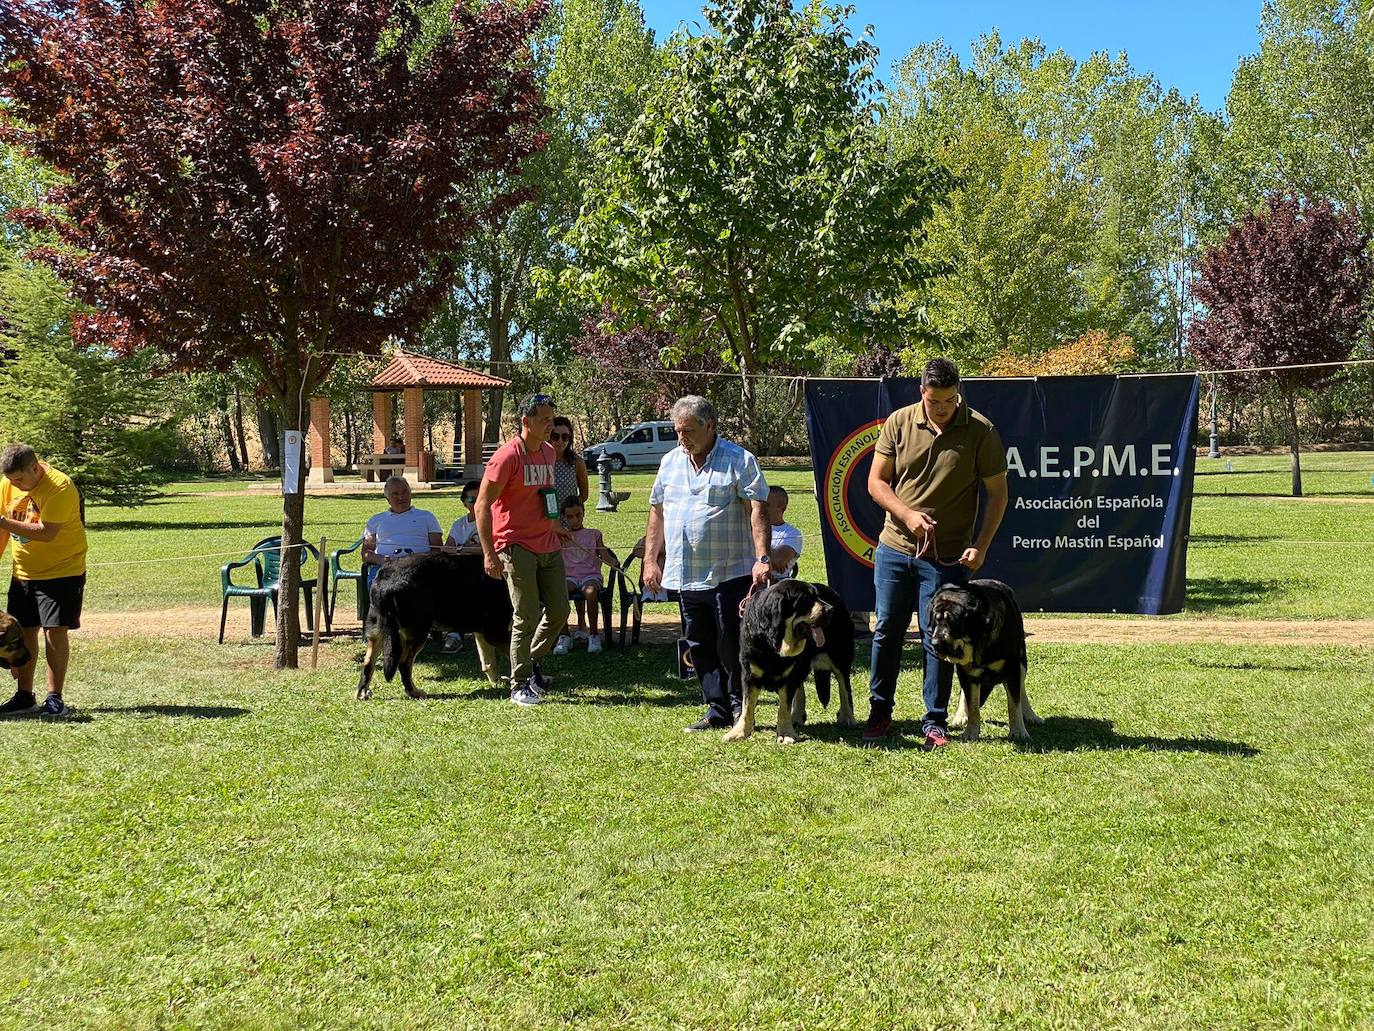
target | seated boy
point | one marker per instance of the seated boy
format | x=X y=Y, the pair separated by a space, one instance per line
x=584 y=553
x=462 y=537
x=786 y=545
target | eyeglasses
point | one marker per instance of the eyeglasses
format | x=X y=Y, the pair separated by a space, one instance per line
x=560 y=436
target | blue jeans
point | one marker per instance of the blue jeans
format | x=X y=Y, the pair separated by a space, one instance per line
x=710 y=626
x=904 y=585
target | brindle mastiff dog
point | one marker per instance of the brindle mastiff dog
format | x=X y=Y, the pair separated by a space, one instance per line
x=978 y=627
x=13 y=651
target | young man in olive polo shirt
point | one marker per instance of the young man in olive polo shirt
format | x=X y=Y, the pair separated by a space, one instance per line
x=928 y=463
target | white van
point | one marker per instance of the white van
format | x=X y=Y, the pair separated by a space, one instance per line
x=644 y=443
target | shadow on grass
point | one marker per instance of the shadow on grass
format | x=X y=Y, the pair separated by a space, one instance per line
x=197 y=712
x=1078 y=733
x=209 y=523
x=1230 y=538
x=1056 y=734
x=1214 y=593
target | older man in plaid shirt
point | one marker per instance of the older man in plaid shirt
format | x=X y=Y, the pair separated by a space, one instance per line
x=706 y=516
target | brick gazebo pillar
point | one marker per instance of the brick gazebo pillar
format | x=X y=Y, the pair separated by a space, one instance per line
x=472 y=427
x=381 y=421
x=321 y=442
x=415 y=430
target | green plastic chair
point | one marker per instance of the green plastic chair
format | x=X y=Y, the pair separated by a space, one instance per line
x=359 y=577
x=265 y=558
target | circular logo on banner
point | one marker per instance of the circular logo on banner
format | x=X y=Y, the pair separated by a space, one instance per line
x=839 y=514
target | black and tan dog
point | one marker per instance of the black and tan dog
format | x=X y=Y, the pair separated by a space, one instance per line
x=789 y=631
x=978 y=627
x=419 y=592
x=13 y=651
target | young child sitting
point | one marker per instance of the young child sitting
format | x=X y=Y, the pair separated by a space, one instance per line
x=584 y=553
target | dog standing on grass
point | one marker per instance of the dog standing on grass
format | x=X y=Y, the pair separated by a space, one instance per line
x=978 y=627
x=789 y=631
x=413 y=595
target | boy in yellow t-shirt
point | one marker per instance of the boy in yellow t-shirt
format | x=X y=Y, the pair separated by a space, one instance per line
x=40 y=514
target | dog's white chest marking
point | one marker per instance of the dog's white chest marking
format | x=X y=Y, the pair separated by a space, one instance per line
x=996 y=667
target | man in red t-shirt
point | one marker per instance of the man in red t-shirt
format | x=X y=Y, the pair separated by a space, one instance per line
x=517 y=523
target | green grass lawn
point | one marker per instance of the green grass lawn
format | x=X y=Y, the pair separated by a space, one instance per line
x=211 y=844
x=1185 y=844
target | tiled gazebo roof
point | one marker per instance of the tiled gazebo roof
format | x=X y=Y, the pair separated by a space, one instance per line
x=408 y=369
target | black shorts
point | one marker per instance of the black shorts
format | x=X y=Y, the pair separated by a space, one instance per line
x=47 y=603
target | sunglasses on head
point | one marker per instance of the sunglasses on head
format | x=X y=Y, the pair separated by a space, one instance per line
x=535 y=400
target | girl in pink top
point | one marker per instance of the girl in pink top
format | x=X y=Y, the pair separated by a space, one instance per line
x=584 y=553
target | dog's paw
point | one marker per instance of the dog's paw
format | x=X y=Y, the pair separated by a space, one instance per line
x=787 y=739
x=1034 y=720
x=417 y=694
x=971 y=733
x=364 y=693
x=1019 y=735
x=735 y=734
x=846 y=719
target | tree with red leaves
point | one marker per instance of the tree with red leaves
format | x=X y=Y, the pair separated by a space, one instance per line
x=275 y=181
x=1290 y=285
x=628 y=370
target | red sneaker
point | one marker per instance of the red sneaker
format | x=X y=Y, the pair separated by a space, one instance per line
x=936 y=737
x=878 y=727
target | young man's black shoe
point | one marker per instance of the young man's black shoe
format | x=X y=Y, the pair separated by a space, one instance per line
x=705 y=723
x=22 y=704
x=877 y=729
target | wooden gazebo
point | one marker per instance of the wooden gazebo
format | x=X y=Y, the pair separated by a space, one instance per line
x=410 y=375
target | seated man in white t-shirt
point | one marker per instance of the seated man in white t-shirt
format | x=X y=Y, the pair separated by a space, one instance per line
x=400 y=530
x=786 y=542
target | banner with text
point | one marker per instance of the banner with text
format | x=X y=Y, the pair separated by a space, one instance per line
x=1100 y=470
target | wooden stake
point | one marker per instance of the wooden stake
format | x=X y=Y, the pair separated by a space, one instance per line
x=319 y=605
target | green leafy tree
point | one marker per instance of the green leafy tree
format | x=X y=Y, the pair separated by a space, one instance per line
x=751 y=209
x=592 y=57
x=1301 y=110
x=1075 y=199
x=98 y=417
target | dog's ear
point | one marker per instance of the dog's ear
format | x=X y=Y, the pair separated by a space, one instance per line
x=766 y=610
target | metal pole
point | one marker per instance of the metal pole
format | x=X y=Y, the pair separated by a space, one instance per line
x=319 y=603
x=1212 y=451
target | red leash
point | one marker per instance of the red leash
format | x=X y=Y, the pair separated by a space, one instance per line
x=928 y=544
x=753 y=586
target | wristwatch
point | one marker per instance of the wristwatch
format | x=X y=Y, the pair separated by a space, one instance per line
x=765 y=558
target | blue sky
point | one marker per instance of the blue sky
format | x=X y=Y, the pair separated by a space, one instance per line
x=1193 y=45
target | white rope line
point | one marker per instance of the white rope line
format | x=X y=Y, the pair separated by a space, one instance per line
x=803 y=378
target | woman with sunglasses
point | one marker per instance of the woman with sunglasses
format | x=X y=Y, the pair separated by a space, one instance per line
x=570 y=477
x=569 y=470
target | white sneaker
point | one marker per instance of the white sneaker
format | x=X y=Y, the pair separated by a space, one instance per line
x=594 y=644
x=453 y=642
x=563 y=645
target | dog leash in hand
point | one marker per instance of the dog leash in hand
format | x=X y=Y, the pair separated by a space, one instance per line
x=928 y=544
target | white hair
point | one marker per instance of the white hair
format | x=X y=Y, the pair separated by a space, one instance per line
x=696 y=407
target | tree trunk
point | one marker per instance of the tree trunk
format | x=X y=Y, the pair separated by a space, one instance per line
x=269 y=432
x=230 y=445
x=348 y=436
x=292 y=531
x=238 y=429
x=1293 y=442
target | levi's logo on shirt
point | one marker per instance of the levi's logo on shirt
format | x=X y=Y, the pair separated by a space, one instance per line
x=538 y=475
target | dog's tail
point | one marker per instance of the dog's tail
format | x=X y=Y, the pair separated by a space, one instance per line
x=823 y=687
x=392 y=646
